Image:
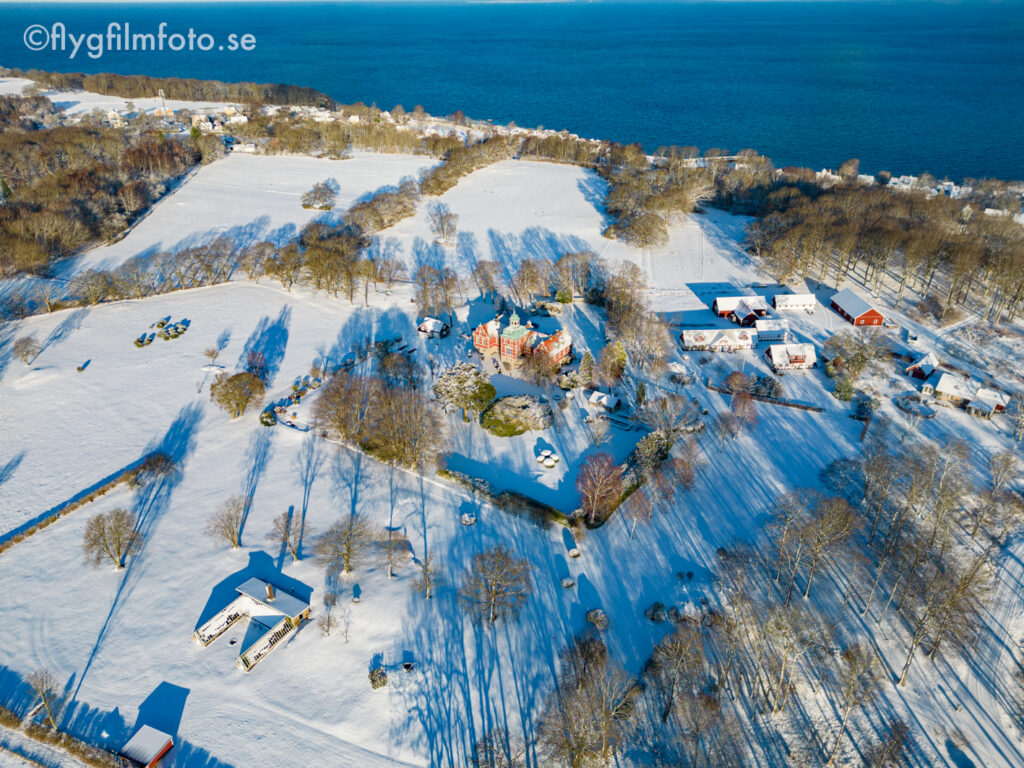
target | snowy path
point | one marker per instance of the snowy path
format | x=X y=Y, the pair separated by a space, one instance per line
x=19 y=751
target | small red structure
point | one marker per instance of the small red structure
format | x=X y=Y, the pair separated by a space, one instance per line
x=743 y=309
x=854 y=309
x=148 y=746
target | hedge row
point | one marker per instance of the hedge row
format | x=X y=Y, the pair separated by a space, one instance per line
x=127 y=475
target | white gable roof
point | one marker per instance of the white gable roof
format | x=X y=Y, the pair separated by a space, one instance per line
x=732 y=303
x=432 y=325
x=851 y=303
x=927 y=364
x=283 y=603
x=145 y=745
x=783 y=354
x=785 y=300
x=948 y=384
x=989 y=399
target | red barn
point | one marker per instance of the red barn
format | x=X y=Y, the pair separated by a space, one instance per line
x=855 y=309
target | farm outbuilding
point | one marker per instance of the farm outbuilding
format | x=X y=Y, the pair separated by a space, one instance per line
x=794 y=301
x=854 y=309
x=147 y=747
x=987 y=402
x=924 y=367
x=772 y=329
x=743 y=309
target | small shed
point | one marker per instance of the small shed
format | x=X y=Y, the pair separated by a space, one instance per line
x=431 y=327
x=854 y=309
x=924 y=367
x=794 y=301
x=148 y=746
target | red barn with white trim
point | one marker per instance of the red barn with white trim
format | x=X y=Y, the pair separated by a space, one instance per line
x=857 y=311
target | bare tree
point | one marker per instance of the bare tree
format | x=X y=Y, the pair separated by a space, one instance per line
x=389 y=271
x=641 y=507
x=496 y=585
x=831 y=523
x=858 y=685
x=727 y=427
x=226 y=521
x=289 y=531
x=672 y=415
x=46 y=688
x=600 y=485
x=111 y=535
x=743 y=409
x=394 y=550
x=1002 y=468
x=1017 y=415
x=211 y=353
x=599 y=431
x=499 y=749
x=236 y=393
x=442 y=222
x=26 y=349
x=585 y=720
x=342 y=546
x=429 y=576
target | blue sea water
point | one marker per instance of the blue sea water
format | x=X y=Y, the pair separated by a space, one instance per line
x=904 y=86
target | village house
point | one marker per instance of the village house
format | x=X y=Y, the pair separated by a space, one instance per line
x=987 y=402
x=516 y=342
x=432 y=328
x=719 y=339
x=277 y=612
x=949 y=388
x=923 y=368
x=605 y=400
x=790 y=357
x=741 y=309
x=772 y=329
x=794 y=301
x=854 y=309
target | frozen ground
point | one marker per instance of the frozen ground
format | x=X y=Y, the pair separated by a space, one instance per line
x=83 y=102
x=122 y=640
x=250 y=198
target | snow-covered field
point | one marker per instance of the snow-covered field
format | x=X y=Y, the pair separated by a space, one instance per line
x=250 y=198
x=82 y=102
x=122 y=640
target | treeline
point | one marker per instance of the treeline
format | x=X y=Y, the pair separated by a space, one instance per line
x=872 y=233
x=644 y=196
x=24 y=112
x=68 y=187
x=184 y=89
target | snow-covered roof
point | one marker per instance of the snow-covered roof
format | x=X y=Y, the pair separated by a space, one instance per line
x=771 y=325
x=432 y=325
x=947 y=384
x=851 y=303
x=604 y=399
x=926 y=364
x=732 y=303
x=989 y=399
x=146 y=744
x=787 y=300
x=282 y=602
x=784 y=354
x=713 y=337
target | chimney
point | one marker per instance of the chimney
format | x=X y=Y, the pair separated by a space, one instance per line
x=270 y=593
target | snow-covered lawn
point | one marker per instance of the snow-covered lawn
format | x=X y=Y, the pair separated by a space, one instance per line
x=249 y=198
x=82 y=102
x=122 y=641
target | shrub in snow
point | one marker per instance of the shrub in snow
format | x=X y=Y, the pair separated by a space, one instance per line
x=844 y=389
x=564 y=296
x=267 y=418
x=515 y=415
x=568 y=583
x=656 y=612
x=378 y=677
x=598 y=618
